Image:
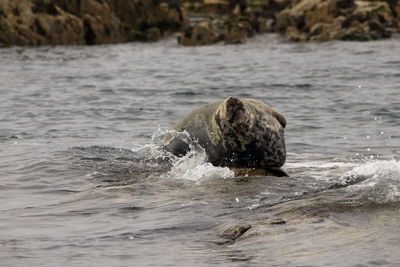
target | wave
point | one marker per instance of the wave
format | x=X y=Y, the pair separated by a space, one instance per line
x=194 y=166
x=376 y=182
x=149 y=161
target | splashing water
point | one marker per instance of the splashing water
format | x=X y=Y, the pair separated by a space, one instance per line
x=378 y=181
x=194 y=166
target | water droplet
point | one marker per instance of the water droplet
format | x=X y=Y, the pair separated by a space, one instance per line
x=237 y=200
x=367 y=136
x=368 y=149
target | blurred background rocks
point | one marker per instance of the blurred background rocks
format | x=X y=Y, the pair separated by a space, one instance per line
x=199 y=22
x=78 y=22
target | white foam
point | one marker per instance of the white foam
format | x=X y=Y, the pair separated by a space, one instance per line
x=194 y=167
x=319 y=164
x=379 y=181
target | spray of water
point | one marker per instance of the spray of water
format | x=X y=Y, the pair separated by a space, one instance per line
x=378 y=181
x=193 y=166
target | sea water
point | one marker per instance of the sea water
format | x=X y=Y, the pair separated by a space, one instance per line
x=83 y=181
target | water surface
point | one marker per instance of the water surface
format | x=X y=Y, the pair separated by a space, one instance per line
x=83 y=182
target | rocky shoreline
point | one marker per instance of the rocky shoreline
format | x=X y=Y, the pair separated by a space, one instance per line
x=299 y=21
x=200 y=22
x=79 y=22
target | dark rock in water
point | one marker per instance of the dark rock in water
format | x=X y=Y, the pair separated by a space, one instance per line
x=40 y=22
x=235 y=232
x=278 y=221
x=235 y=132
x=259 y=172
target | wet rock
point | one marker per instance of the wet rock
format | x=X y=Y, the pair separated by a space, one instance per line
x=317 y=20
x=75 y=22
x=238 y=32
x=202 y=33
x=36 y=22
x=153 y=34
x=240 y=21
x=228 y=31
x=60 y=29
x=278 y=221
x=265 y=25
x=235 y=232
x=259 y=172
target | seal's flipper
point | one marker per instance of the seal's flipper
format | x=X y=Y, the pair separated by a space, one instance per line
x=177 y=146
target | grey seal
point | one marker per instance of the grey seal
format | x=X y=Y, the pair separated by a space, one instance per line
x=236 y=133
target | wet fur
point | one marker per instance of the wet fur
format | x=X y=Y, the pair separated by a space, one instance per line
x=235 y=132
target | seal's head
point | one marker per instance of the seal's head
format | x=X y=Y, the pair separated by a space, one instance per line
x=232 y=109
x=232 y=116
x=251 y=132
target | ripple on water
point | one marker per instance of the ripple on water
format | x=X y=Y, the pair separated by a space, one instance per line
x=82 y=183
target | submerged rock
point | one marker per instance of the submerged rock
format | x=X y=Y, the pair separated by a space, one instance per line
x=235 y=232
x=73 y=22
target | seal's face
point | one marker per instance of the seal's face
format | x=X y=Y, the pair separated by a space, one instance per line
x=250 y=133
x=234 y=122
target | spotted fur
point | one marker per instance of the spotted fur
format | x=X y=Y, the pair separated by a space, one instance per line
x=235 y=132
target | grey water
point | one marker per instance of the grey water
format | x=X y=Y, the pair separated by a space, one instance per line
x=84 y=183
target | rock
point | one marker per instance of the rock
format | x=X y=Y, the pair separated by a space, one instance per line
x=228 y=31
x=59 y=29
x=310 y=20
x=235 y=232
x=153 y=34
x=278 y=221
x=317 y=20
x=259 y=172
x=238 y=32
x=265 y=25
x=202 y=33
x=236 y=35
x=75 y=22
